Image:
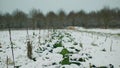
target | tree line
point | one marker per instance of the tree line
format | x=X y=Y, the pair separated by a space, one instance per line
x=104 y=18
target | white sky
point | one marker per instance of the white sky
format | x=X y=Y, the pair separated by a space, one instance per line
x=55 y=5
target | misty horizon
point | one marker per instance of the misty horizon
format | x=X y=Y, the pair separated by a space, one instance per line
x=57 y=5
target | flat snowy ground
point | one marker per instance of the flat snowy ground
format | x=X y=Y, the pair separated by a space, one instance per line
x=62 y=48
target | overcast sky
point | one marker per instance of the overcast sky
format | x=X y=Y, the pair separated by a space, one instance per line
x=56 y=5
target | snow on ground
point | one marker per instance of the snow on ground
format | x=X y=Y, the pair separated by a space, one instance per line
x=109 y=31
x=62 y=48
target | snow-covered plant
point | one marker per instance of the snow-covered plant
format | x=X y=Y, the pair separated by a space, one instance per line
x=93 y=44
x=75 y=43
x=58 y=44
x=104 y=50
x=65 y=61
x=81 y=45
x=64 y=52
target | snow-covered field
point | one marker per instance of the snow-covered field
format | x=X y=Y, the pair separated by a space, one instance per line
x=62 y=48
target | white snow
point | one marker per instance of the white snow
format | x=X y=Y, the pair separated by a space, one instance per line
x=103 y=45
